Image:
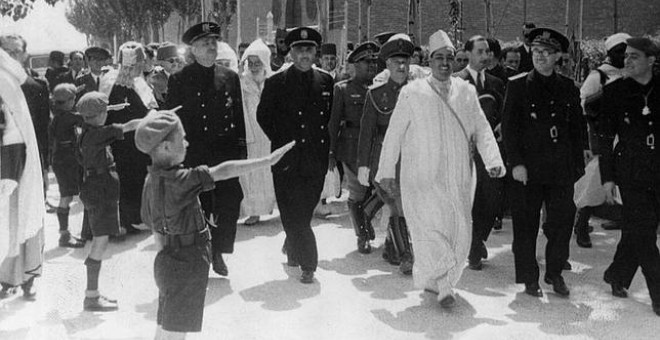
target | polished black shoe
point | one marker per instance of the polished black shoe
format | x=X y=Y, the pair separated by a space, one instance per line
x=533 y=289
x=363 y=245
x=475 y=265
x=100 y=304
x=307 y=277
x=617 y=289
x=219 y=265
x=407 y=263
x=558 y=285
x=497 y=225
x=567 y=266
x=583 y=239
x=68 y=241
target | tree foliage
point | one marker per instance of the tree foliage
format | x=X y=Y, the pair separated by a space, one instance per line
x=222 y=14
x=18 y=9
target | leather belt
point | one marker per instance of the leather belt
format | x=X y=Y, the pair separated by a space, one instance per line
x=186 y=240
x=98 y=171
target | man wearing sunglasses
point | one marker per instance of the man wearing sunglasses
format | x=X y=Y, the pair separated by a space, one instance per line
x=544 y=135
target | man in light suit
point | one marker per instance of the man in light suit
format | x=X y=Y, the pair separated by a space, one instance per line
x=490 y=90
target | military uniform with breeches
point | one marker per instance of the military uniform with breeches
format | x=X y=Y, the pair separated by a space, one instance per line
x=631 y=111
x=378 y=109
x=296 y=105
x=344 y=127
x=212 y=115
x=543 y=130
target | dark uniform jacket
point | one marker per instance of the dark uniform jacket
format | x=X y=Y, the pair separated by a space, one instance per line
x=543 y=128
x=635 y=160
x=212 y=113
x=344 y=126
x=493 y=86
x=378 y=108
x=296 y=106
x=37 y=98
x=90 y=84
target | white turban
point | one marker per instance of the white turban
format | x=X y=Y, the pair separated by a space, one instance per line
x=226 y=52
x=260 y=49
x=439 y=40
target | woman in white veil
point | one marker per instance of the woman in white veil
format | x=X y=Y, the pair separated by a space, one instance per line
x=258 y=185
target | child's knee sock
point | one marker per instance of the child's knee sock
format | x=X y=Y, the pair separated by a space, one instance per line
x=63 y=218
x=93 y=270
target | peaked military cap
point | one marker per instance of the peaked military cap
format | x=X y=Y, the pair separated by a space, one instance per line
x=382 y=38
x=96 y=52
x=303 y=36
x=329 y=49
x=399 y=45
x=366 y=50
x=201 y=30
x=550 y=38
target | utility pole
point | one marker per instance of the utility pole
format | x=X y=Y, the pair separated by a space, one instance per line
x=616 y=16
x=489 y=18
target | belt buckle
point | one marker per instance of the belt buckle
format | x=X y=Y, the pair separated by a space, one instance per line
x=554 y=132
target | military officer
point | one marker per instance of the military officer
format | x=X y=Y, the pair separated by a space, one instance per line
x=212 y=115
x=97 y=58
x=544 y=135
x=344 y=128
x=631 y=111
x=379 y=104
x=295 y=105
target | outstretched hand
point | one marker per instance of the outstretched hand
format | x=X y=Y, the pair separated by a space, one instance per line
x=279 y=153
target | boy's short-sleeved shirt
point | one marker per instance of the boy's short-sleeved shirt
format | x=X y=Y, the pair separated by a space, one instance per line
x=170 y=202
x=95 y=145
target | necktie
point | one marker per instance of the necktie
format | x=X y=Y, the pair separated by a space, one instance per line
x=98 y=82
x=480 y=84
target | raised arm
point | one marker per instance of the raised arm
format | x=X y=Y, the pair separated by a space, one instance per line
x=234 y=168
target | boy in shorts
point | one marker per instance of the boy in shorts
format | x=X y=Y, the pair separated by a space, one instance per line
x=62 y=131
x=171 y=208
x=100 y=188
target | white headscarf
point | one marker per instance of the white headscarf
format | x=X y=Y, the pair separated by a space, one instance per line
x=226 y=52
x=260 y=49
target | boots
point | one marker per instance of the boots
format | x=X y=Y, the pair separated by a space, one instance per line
x=407 y=260
x=357 y=218
x=580 y=228
x=390 y=253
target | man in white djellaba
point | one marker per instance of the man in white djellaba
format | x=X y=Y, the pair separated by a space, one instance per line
x=436 y=126
x=258 y=185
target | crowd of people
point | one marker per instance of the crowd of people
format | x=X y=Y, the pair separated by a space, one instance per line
x=449 y=140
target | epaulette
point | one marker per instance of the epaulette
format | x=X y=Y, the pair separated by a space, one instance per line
x=322 y=70
x=518 y=76
x=343 y=82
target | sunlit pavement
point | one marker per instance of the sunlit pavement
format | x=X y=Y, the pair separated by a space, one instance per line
x=354 y=296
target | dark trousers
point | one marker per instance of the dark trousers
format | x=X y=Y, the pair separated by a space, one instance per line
x=526 y=202
x=637 y=247
x=297 y=197
x=486 y=207
x=224 y=202
x=132 y=172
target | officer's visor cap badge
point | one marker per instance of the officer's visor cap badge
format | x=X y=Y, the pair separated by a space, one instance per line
x=303 y=34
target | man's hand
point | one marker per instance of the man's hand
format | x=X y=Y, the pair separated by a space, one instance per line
x=363 y=176
x=332 y=163
x=609 y=192
x=496 y=172
x=275 y=157
x=519 y=173
x=390 y=186
x=7 y=186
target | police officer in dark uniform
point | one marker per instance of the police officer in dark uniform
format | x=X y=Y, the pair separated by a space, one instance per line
x=544 y=136
x=212 y=114
x=379 y=105
x=631 y=111
x=295 y=105
x=344 y=127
